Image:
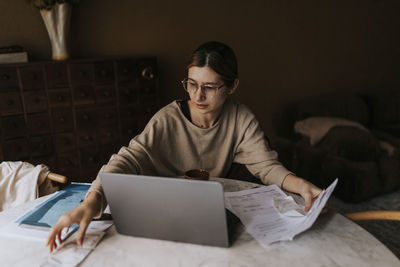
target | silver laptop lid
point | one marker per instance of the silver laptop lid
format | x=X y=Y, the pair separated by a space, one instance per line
x=166 y=208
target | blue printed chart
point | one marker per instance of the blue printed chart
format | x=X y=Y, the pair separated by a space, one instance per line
x=47 y=213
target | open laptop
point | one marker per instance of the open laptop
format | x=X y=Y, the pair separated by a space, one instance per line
x=174 y=209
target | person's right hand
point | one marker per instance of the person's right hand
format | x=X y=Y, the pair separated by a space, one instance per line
x=81 y=215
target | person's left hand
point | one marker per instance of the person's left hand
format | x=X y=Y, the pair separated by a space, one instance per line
x=303 y=187
x=309 y=192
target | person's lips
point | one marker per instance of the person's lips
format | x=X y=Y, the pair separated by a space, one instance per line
x=201 y=106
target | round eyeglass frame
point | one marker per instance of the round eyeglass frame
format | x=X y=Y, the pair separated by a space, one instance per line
x=202 y=87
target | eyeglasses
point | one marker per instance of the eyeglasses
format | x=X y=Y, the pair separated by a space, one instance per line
x=191 y=87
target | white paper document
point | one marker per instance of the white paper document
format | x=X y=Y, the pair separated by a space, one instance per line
x=71 y=254
x=269 y=215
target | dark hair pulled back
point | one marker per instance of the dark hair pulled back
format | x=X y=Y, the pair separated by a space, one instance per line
x=219 y=57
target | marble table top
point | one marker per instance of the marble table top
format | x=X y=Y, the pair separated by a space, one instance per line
x=332 y=241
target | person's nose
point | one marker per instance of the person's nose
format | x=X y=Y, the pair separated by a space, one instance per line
x=200 y=94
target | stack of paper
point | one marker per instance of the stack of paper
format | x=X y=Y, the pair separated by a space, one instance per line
x=269 y=215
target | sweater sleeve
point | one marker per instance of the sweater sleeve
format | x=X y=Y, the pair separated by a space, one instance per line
x=133 y=159
x=254 y=151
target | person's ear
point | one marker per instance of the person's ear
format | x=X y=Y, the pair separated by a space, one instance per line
x=235 y=85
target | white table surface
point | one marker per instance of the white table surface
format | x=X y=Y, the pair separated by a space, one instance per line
x=332 y=241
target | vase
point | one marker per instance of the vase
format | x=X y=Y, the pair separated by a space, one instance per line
x=57 y=21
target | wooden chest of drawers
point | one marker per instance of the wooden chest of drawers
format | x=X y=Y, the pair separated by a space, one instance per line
x=73 y=115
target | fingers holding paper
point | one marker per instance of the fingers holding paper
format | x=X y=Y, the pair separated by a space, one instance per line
x=77 y=216
x=301 y=186
x=310 y=193
x=82 y=215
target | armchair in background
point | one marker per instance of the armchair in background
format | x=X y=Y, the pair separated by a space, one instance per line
x=349 y=136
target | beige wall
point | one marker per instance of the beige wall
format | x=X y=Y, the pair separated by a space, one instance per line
x=286 y=48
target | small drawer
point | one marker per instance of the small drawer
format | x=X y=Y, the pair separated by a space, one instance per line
x=38 y=124
x=147 y=91
x=127 y=94
x=86 y=118
x=49 y=161
x=81 y=73
x=35 y=101
x=129 y=129
x=107 y=117
x=108 y=135
x=105 y=94
x=84 y=95
x=32 y=78
x=62 y=120
x=8 y=79
x=13 y=126
x=10 y=103
x=147 y=111
x=88 y=175
x=126 y=70
x=90 y=159
x=129 y=112
x=16 y=149
x=56 y=75
x=104 y=72
x=67 y=161
x=60 y=98
x=64 y=142
x=87 y=138
x=41 y=146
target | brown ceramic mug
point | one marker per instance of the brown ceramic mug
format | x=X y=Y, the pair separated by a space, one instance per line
x=197 y=174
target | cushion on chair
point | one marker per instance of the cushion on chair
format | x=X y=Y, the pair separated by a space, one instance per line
x=341 y=137
x=315 y=128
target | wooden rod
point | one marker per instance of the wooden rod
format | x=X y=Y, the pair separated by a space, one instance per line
x=57 y=177
x=391 y=215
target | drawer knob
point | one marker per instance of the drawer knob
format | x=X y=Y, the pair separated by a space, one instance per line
x=10 y=102
x=62 y=119
x=147 y=73
x=5 y=77
x=60 y=98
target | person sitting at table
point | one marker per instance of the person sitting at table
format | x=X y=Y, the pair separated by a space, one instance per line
x=209 y=131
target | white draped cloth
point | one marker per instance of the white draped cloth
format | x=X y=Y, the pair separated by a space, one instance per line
x=19 y=182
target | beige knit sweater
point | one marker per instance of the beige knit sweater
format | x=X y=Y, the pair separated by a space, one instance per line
x=170 y=144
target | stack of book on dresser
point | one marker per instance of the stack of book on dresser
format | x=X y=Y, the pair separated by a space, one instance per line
x=13 y=54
